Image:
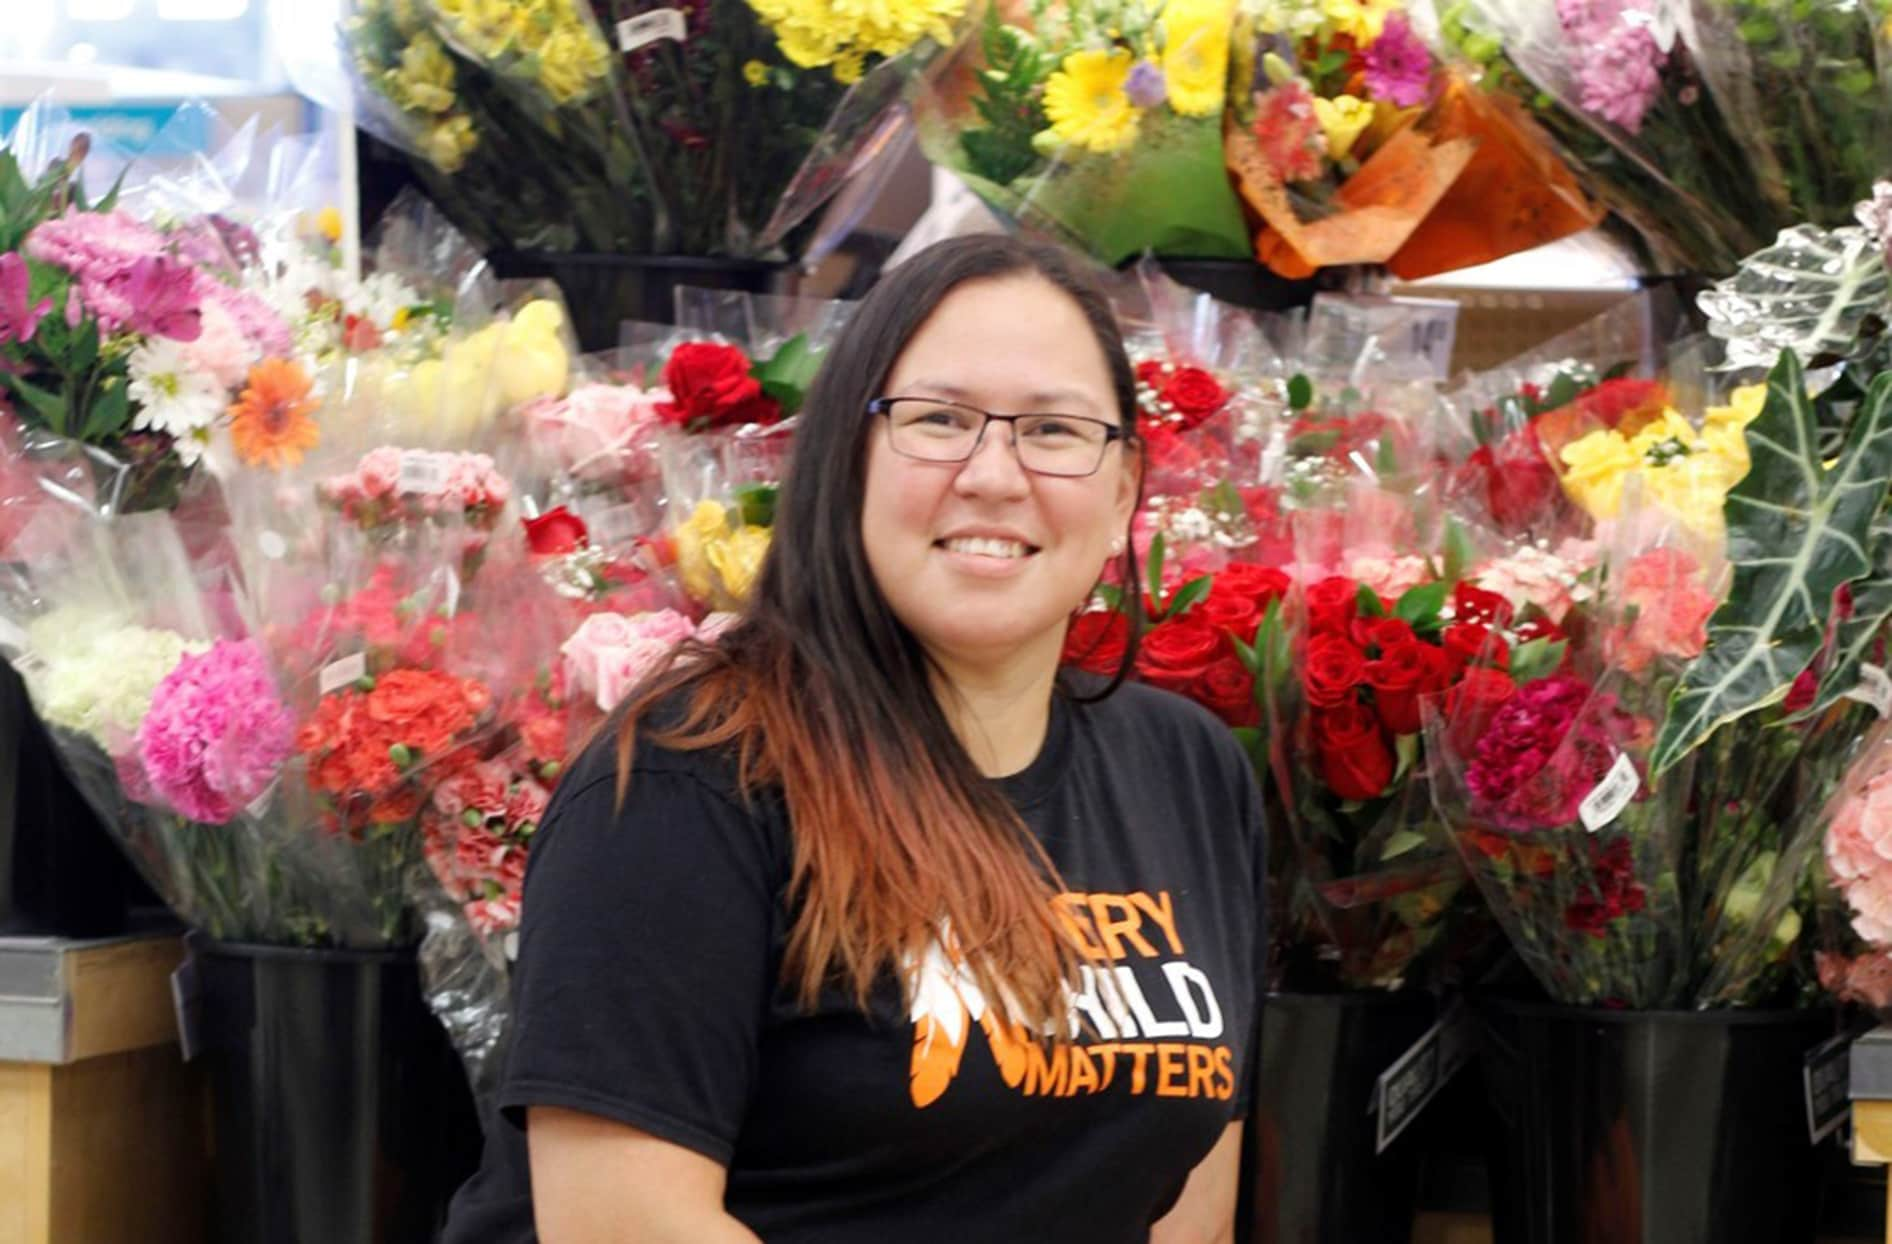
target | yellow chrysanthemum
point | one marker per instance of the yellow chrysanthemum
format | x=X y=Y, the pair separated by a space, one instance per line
x=448 y=144
x=572 y=62
x=424 y=82
x=1361 y=20
x=1594 y=469
x=1195 y=55
x=1342 y=119
x=1744 y=407
x=755 y=73
x=1086 y=102
x=843 y=33
x=486 y=28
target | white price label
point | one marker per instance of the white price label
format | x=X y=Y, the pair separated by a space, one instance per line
x=272 y=545
x=1874 y=689
x=339 y=674
x=647 y=28
x=1607 y=800
x=423 y=472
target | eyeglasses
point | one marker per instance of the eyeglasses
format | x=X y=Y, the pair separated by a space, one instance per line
x=934 y=431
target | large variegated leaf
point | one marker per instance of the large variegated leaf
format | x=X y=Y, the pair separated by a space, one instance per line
x=1796 y=531
x=1817 y=292
x=1853 y=638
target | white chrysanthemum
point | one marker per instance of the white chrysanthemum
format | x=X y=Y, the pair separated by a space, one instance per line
x=103 y=687
x=174 y=396
x=380 y=297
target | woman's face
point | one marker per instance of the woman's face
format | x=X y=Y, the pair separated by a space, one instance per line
x=983 y=559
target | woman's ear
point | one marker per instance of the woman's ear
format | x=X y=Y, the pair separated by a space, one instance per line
x=1129 y=482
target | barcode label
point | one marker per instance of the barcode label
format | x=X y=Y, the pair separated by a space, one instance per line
x=1606 y=802
x=647 y=28
x=339 y=674
x=423 y=472
x=1874 y=689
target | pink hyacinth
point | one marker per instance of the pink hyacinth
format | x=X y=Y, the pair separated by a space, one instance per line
x=1398 y=66
x=217 y=734
x=1546 y=748
x=1619 y=69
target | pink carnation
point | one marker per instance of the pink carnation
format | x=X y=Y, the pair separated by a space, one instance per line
x=1866 y=979
x=1668 y=610
x=1859 y=856
x=1546 y=748
x=250 y=314
x=217 y=734
x=221 y=350
x=483 y=788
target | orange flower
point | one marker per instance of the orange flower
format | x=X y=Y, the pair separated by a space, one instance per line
x=270 y=423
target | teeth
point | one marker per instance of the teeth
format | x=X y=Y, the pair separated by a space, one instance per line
x=986 y=546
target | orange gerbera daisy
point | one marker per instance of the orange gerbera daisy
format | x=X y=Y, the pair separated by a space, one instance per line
x=269 y=423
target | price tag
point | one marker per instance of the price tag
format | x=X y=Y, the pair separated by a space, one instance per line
x=1415 y=1078
x=1827 y=1075
x=422 y=472
x=1874 y=689
x=339 y=674
x=1608 y=798
x=510 y=946
x=647 y=28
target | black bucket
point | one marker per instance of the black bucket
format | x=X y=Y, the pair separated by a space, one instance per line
x=340 y=1114
x=603 y=290
x=1650 y=1127
x=1245 y=282
x=1310 y=1171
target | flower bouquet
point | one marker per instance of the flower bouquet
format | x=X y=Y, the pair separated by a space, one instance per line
x=1099 y=121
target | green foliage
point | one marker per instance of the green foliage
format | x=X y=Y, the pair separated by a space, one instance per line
x=1009 y=105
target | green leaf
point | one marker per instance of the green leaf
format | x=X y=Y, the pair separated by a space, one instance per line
x=1367 y=603
x=1154 y=571
x=1406 y=748
x=1796 y=531
x=1223 y=499
x=1538 y=658
x=1422 y=604
x=49 y=406
x=1254 y=743
x=110 y=411
x=1386 y=459
x=1248 y=655
x=1300 y=392
x=1458 y=550
x=1813 y=291
x=1563 y=391
x=1399 y=842
x=756 y=503
x=1110 y=594
x=786 y=374
x=1187 y=595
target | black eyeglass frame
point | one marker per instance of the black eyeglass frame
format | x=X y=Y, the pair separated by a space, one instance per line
x=1112 y=432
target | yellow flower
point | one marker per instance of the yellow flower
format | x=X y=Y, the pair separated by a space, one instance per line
x=756 y=72
x=1195 y=54
x=532 y=360
x=1744 y=407
x=848 y=66
x=1664 y=439
x=328 y=222
x=572 y=61
x=1594 y=469
x=448 y=144
x=1361 y=20
x=1343 y=119
x=1086 y=103
x=843 y=33
x=1693 y=489
x=424 y=82
x=486 y=27
x=718 y=556
x=737 y=560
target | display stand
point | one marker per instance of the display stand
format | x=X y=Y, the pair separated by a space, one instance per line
x=101 y=1122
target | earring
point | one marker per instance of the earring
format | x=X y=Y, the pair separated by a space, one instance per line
x=1116 y=545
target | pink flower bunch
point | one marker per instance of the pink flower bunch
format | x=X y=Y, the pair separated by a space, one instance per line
x=217 y=733
x=122 y=273
x=390 y=486
x=1552 y=581
x=1620 y=63
x=599 y=432
x=610 y=653
x=1666 y=609
x=475 y=833
x=1546 y=748
x=381 y=620
x=1859 y=853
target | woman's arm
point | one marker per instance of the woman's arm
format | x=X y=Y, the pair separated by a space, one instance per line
x=595 y=1181
x=1205 y=1212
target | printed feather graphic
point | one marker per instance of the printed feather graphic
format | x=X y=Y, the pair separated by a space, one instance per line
x=945 y=1002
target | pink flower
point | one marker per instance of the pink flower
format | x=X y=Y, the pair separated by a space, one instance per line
x=1546 y=748
x=600 y=431
x=217 y=734
x=1289 y=132
x=252 y=317
x=610 y=653
x=1533 y=576
x=1619 y=62
x=1398 y=67
x=526 y=804
x=221 y=350
x=1859 y=856
x=379 y=473
x=1391 y=576
x=494 y=916
x=1866 y=979
x=1663 y=591
x=621 y=669
x=19 y=318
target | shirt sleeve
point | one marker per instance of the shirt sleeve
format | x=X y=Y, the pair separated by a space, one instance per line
x=645 y=960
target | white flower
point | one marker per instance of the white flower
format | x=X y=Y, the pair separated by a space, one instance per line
x=380 y=296
x=101 y=686
x=174 y=396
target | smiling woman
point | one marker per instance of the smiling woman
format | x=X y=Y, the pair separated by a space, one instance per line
x=867 y=921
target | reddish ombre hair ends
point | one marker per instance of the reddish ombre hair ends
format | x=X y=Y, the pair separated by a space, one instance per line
x=823 y=695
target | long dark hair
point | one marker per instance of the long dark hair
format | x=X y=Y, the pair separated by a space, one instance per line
x=825 y=695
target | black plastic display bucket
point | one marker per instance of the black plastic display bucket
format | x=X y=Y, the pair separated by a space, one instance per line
x=1310 y=1171
x=603 y=290
x=1662 y=1127
x=340 y=1114
x=1244 y=282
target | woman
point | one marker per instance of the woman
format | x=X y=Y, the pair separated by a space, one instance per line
x=863 y=925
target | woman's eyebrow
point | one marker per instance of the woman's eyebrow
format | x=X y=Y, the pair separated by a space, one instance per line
x=1038 y=400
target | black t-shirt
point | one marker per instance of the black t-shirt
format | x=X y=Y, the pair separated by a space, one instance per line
x=647 y=991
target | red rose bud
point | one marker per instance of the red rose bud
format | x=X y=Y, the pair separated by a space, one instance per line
x=1331 y=604
x=1228 y=690
x=1475 y=604
x=1382 y=634
x=1333 y=670
x=1352 y=754
x=556 y=532
x=1096 y=641
x=1178 y=652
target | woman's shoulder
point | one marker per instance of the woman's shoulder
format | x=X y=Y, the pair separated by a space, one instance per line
x=1137 y=714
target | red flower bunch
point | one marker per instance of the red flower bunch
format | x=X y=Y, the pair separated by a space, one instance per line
x=365 y=740
x=386 y=620
x=1193 y=650
x=1176 y=396
x=1613 y=891
x=713 y=385
x=1545 y=749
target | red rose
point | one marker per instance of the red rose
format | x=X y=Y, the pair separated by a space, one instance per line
x=1150 y=374
x=1470 y=643
x=1334 y=668
x=1195 y=394
x=1469 y=705
x=1179 y=652
x=1354 y=759
x=1382 y=633
x=1166 y=452
x=1475 y=604
x=555 y=532
x=710 y=386
x=1227 y=689
x=1537 y=626
x=1521 y=485
x=1261 y=584
x=1096 y=640
x=1226 y=611
x=1330 y=605
x=1398 y=679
